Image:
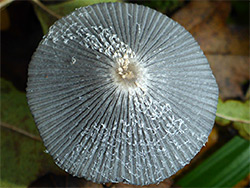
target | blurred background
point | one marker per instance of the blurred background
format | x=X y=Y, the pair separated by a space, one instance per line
x=222 y=30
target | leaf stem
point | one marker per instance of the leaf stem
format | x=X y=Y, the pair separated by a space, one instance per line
x=232 y=119
x=21 y=131
x=42 y=6
x=4 y=3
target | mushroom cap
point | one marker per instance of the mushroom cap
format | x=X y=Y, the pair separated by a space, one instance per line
x=121 y=93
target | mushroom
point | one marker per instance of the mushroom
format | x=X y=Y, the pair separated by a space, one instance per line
x=121 y=93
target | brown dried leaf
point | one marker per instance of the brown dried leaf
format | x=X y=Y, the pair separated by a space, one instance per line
x=206 y=21
x=226 y=46
x=231 y=72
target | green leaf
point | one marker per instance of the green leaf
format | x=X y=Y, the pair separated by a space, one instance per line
x=62 y=9
x=225 y=168
x=236 y=112
x=244 y=129
x=22 y=158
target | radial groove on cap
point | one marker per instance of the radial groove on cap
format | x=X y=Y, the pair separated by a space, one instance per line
x=121 y=93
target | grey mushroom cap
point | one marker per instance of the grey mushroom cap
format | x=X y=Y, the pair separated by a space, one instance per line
x=121 y=93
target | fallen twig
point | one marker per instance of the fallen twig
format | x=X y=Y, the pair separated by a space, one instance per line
x=42 y=6
x=20 y=131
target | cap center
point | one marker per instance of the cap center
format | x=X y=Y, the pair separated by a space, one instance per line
x=126 y=70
